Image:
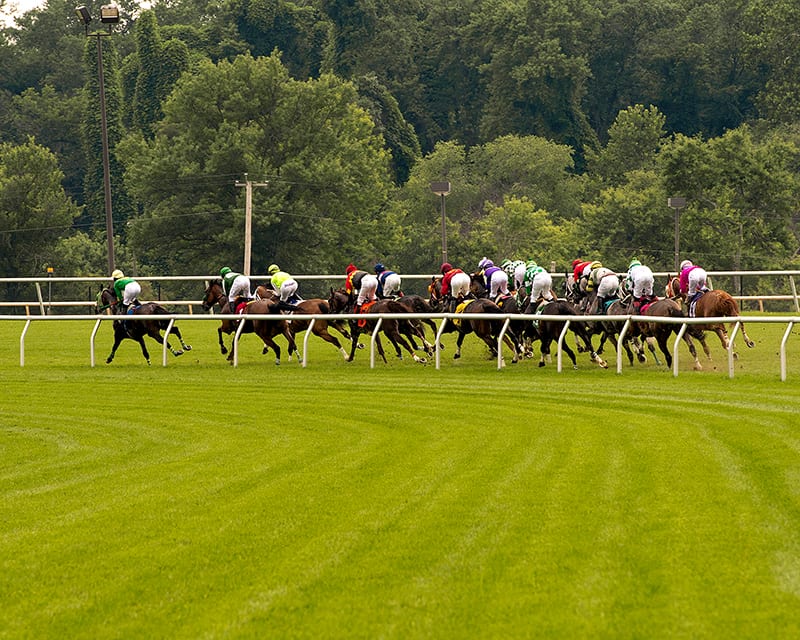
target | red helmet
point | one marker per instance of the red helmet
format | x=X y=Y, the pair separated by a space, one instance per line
x=446 y=267
x=576 y=262
x=350 y=268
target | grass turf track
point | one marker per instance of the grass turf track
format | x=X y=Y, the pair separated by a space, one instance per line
x=201 y=501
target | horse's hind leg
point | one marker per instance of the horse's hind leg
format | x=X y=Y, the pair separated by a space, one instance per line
x=144 y=349
x=117 y=341
x=177 y=332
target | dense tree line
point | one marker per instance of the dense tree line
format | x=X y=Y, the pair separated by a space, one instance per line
x=563 y=127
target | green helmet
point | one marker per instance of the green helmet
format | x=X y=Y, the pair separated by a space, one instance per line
x=505 y=263
x=531 y=264
x=634 y=263
x=273 y=269
x=224 y=271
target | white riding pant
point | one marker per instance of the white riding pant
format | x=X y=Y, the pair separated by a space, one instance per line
x=240 y=287
x=367 y=291
x=499 y=283
x=642 y=278
x=131 y=292
x=608 y=285
x=459 y=285
x=519 y=276
x=542 y=284
x=288 y=289
x=697 y=280
x=391 y=285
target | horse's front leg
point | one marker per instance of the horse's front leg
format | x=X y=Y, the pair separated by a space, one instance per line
x=354 y=333
x=222 y=348
x=177 y=332
x=459 y=342
x=118 y=338
x=144 y=349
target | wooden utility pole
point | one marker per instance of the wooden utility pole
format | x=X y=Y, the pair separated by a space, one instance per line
x=248 y=219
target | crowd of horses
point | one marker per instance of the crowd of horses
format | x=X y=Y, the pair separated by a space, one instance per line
x=408 y=335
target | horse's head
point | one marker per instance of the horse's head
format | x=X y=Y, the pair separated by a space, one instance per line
x=106 y=299
x=339 y=301
x=477 y=287
x=672 y=289
x=213 y=294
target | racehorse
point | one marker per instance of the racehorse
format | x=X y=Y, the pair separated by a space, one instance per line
x=486 y=330
x=264 y=329
x=393 y=328
x=312 y=306
x=549 y=330
x=714 y=303
x=418 y=304
x=137 y=329
x=507 y=304
x=612 y=329
x=661 y=331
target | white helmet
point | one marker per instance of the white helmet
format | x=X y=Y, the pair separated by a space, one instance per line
x=686 y=263
x=485 y=263
x=117 y=274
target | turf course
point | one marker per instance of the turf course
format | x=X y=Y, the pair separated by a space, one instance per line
x=202 y=501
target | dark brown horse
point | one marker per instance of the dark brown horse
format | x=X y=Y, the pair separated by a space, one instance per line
x=714 y=303
x=312 y=306
x=548 y=331
x=393 y=328
x=264 y=329
x=661 y=331
x=136 y=330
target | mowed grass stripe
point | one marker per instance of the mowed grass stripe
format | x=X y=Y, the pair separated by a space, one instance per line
x=341 y=501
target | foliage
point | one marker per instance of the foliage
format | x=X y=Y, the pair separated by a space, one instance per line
x=34 y=210
x=325 y=172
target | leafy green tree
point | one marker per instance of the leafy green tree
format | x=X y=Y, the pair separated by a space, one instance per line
x=34 y=210
x=160 y=66
x=326 y=172
x=742 y=195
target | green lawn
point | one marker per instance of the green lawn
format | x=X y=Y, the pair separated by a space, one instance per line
x=199 y=500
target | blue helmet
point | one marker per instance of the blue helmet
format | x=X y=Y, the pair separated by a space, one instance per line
x=379 y=268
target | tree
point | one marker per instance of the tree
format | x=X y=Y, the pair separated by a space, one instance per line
x=327 y=171
x=34 y=210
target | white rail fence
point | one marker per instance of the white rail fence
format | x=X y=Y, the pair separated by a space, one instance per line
x=789 y=321
x=46 y=305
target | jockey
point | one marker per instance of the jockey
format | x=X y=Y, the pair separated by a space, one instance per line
x=692 y=280
x=511 y=268
x=126 y=290
x=578 y=268
x=606 y=283
x=540 y=283
x=363 y=284
x=234 y=285
x=639 y=282
x=286 y=286
x=455 y=283
x=495 y=278
x=388 y=282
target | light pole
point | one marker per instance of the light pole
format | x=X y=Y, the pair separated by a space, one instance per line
x=677 y=203
x=109 y=15
x=442 y=189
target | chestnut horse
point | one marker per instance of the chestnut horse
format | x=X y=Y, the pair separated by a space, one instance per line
x=714 y=303
x=136 y=330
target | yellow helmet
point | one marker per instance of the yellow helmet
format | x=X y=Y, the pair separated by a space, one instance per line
x=117 y=274
x=273 y=269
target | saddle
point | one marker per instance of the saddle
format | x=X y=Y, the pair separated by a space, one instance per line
x=362 y=322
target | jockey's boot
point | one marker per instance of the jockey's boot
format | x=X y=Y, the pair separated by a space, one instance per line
x=601 y=305
x=286 y=306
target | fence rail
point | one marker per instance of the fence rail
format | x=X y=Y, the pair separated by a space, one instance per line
x=789 y=321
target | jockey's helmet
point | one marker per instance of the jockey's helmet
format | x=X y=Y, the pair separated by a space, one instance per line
x=532 y=264
x=634 y=263
x=379 y=268
x=117 y=274
x=505 y=263
x=446 y=267
x=576 y=262
x=273 y=269
x=350 y=268
x=596 y=265
x=685 y=264
x=224 y=271
x=485 y=263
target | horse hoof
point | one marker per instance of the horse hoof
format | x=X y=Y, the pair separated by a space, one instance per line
x=541 y=364
x=360 y=346
x=223 y=351
x=456 y=356
x=177 y=353
x=188 y=347
x=108 y=360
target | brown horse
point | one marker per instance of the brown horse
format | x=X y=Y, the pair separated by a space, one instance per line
x=548 y=331
x=714 y=303
x=137 y=329
x=487 y=330
x=661 y=331
x=393 y=328
x=264 y=329
x=312 y=306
